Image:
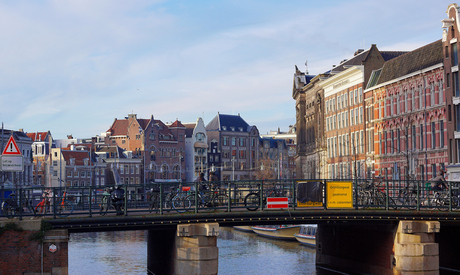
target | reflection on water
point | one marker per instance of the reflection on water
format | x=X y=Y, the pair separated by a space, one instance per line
x=121 y=252
x=247 y=253
x=239 y=253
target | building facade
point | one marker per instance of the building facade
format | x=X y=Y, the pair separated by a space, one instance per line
x=196 y=150
x=160 y=147
x=409 y=115
x=450 y=36
x=239 y=146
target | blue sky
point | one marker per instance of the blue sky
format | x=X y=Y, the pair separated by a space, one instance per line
x=72 y=67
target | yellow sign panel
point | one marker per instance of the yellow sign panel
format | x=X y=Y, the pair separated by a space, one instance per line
x=309 y=204
x=339 y=194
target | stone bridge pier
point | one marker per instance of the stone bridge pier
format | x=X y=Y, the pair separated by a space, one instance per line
x=186 y=249
x=403 y=248
x=27 y=249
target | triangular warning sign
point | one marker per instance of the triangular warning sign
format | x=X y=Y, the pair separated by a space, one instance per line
x=11 y=148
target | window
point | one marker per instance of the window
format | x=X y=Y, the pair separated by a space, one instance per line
x=441 y=134
x=433 y=135
x=352 y=117
x=345 y=99
x=360 y=91
x=414 y=140
x=233 y=141
x=456 y=84
x=360 y=114
x=421 y=137
x=356 y=96
x=454 y=55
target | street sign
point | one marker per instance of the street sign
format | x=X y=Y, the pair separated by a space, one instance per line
x=11 y=163
x=11 y=148
x=277 y=202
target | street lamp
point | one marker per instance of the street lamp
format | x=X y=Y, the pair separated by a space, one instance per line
x=233 y=168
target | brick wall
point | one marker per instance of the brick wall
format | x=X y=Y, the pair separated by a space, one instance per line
x=19 y=255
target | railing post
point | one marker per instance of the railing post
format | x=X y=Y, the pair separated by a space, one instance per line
x=450 y=198
x=161 y=199
x=387 y=194
x=229 y=200
x=294 y=194
x=126 y=200
x=20 y=204
x=418 y=196
x=90 y=201
x=54 y=202
x=261 y=202
x=196 y=196
x=356 y=192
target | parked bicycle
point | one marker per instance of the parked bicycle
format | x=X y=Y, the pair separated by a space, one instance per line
x=64 y=207
x=12 y=205
x=208 y=196
x=44 y=206
x=113 y=197
x=252 y=200
x=371 y=194
x=440 y=199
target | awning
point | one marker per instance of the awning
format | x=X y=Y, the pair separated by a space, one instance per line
x=200 y=144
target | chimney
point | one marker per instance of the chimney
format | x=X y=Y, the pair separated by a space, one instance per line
x=359 y=51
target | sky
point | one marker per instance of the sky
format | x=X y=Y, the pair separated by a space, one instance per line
x=73 y=67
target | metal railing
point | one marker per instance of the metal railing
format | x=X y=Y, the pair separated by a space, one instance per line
x=193 y=197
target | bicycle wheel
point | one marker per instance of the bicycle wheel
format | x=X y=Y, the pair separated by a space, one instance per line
x=104 y=206
x=410 y=201
x=220 y=200
x=181 y=204
x=191 y=198
x=252 y=201
x=154 y=204
x=6 y=210
x=65 y=209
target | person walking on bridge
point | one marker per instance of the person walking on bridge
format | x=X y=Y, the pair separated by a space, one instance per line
x=438 y=183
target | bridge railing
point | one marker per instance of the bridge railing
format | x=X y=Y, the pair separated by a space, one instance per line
x=193 y=197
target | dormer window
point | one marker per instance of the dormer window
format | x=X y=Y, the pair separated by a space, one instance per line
x=240 y=128
x=233 y=129
x=224 y=128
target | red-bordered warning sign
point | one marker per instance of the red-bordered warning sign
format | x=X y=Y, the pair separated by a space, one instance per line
x=11 y=148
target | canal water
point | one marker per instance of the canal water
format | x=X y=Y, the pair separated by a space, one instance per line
x=239 y=253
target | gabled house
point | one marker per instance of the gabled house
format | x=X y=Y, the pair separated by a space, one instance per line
x=41 y=147
x=196 y=150
x=238 y=144
x=158 y=146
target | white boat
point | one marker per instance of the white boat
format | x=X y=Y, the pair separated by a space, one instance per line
x=282 y=232
x=244 y=228
x=307 y=234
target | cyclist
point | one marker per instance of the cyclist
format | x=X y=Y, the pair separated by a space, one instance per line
x=438 y=183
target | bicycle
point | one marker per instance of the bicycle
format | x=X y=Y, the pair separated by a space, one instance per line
x=10 y=207
x=64 y=208
x=44 y=205
x=371 y=194
x=181 y=201
x=212 y=197
x=252 y=200
x=112 y=198
x=441 y=199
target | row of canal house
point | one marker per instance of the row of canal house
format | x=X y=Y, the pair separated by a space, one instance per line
x=380 y=113
x=135 y=150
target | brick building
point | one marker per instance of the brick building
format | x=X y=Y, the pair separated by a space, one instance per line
x=451 y=33
x=160 y=147
x=406 y=106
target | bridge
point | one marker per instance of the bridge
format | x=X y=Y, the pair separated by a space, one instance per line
x=400 y=227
